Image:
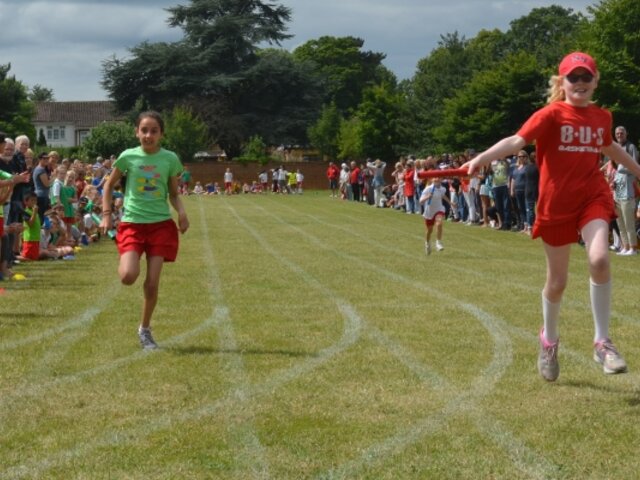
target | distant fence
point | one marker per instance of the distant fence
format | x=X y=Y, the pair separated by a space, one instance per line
x=315 y=173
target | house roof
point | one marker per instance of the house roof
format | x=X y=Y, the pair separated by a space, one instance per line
x=80 y=114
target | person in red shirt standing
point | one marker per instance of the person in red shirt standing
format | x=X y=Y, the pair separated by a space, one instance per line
x=571 y=133
x=333 y=172
x=410 y=188
x=354 y=180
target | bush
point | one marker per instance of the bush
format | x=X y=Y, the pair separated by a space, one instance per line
x=254 y=151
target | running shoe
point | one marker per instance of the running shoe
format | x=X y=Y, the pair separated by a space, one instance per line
x=548 y=365
x=427 y=248
x=606 y=354
x=439 y=246
x=146 y=340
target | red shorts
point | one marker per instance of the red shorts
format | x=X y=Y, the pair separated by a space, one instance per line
x=1 y=226
x=429 y=222
x=69 y=220
x=569 y=231
x=155 y=239
x=31 y=250
x=228 y=185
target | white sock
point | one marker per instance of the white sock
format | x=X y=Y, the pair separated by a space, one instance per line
x=600 y=308
x=550 y=314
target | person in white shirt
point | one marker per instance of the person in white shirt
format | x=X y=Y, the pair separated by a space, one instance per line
x=432 y=199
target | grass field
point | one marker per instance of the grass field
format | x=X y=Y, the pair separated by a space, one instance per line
x=304 y=337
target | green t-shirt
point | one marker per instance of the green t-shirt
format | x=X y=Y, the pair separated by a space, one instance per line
x=4 y=176
x=31 y=233
x=66 y=194
x=147 y=187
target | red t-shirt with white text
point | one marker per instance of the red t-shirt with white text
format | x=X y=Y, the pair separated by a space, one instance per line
x=568 y=143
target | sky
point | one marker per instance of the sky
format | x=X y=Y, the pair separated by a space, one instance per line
x=62 y=44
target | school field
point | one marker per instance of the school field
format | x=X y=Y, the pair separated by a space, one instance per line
x=308 y=338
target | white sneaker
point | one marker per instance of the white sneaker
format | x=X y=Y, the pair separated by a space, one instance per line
x=427 y=248
x=439 y=246
x=631 y=252
x=146 y=340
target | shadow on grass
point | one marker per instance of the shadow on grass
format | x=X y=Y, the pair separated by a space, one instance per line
x=18 y=315
x=633 y=400
x=215 y=351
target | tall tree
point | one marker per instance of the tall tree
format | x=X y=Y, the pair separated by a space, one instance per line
x=39 y=93
x=15 y=108
x=492 y=104
x=216 y=68
x=438 y=77
x=548 y=33
x=612 y=37
x=346 y=70
x=378 y=113
x=324 y=134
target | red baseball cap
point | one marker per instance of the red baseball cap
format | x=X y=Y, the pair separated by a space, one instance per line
x=576 y=60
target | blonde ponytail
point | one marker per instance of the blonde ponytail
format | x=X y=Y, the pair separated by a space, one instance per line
x=555 y=93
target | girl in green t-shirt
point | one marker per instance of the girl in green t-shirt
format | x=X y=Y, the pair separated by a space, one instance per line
x=153 y=175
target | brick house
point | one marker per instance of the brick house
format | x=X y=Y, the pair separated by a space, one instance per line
x=67 y=124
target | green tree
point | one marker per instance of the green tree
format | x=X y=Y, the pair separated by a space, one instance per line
x=350 y=140
x=548 y=33
x=16 y=110
x=39 y=93
x=214 y=69
x=378 y=114
x=185 y=133
x=438 y=77
x=612 y=38
x=346 y=70
x=278 y=100
x=109 y=138
x=492 y=105
x=324 y=134
x=255 y=151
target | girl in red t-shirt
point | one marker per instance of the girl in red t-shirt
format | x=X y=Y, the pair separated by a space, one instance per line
x=570 y=134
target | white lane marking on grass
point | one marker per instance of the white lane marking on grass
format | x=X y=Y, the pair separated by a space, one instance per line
x=120 y=437
x=85 y=318
x=250 y=451
x=522 y=457
x=567 y=302
x=350 y=335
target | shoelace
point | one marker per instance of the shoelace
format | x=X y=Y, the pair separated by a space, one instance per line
x=607 y=347
x=551 y=351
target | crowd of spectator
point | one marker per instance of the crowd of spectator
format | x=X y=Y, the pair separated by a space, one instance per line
x=275 y=180
x=53 y=209
x=502 y=196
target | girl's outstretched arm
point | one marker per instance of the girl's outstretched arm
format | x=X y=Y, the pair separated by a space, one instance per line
x=505 y=147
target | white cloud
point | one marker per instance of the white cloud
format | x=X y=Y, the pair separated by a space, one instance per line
x=62 y=44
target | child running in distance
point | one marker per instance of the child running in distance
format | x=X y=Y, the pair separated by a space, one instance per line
x=147 y=227
x=570 y=134
x=431 y=199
